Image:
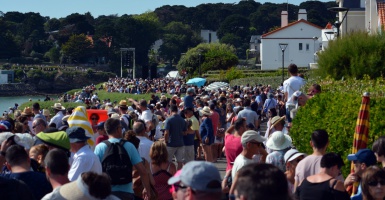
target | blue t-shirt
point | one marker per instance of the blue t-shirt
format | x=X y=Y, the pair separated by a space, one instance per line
x=206 y=130
x=135 y=158
x=188 y=101
x=188 y=139
x=36 y=182
x=176 y=126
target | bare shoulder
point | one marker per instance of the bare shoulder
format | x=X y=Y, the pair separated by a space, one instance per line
x=339 y=185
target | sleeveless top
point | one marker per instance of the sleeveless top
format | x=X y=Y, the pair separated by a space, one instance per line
x=161 y=186
x=320 y=191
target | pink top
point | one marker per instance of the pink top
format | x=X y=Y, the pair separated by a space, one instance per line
x=215 y=119
x=233 y=147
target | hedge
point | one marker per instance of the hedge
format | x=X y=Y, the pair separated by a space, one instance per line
x=337 y=114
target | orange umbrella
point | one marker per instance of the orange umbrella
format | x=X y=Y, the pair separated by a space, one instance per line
x=361 y=133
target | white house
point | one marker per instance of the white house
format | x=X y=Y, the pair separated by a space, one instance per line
x=303 y=39
x=209 y=36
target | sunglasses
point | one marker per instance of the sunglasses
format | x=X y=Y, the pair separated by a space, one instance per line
x=178 y=186
x=35 y=126
x=94 y=118
x=375 y=183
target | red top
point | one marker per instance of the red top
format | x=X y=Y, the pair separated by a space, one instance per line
x=215 y=119
x=233 y=147
x=101 y=138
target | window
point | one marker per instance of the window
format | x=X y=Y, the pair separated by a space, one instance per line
x=307 y=47
x=300 y=47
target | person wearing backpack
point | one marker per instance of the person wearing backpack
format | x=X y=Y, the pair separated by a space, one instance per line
x=118 y=157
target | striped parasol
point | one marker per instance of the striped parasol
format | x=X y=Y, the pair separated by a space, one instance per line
x=79 y=118
x=361 y=133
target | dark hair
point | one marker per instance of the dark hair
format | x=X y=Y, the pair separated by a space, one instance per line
x=16 y=155
x=379 y=146
x=273 y=112
x=372 y=173
x=331 y=159
x=292 y=68
x=130 y=136
x=320 y=138
x=111 y=125
x=247 y=102
x=174 y=108
x=239 y=123
x=36 y=106
x=41 y=121
x=57 y=161
x=99 y=185
x=262 y=181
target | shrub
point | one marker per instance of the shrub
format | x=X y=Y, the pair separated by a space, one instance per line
x=233 y=73
x=273 y=81
x=337 y=114
x=353 y=55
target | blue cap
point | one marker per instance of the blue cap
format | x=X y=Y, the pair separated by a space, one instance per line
x=200 y=176
x=100 y=125
x=77 y=134
x=364 y=156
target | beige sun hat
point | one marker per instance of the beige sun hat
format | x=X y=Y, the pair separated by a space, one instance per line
x=58 y=106
x=205 y=111
x=275 y=120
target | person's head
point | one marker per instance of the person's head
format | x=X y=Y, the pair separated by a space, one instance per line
x=89 y=185
x=113 y=127
x=38 y=153
x=379 y=149
x=332 y=163
x=16 y=156
x=94 y=119
x=373 y=183
x=292 y=158
x=247 y=102
x=198 y=180
x=36 y=108
x=158 y=153
x=261 y=181
x=130 y=136
x=78 y=138
x=278 y=123
x=56 y=163
x=143 y=104
x=293 y=69
x=252 y=141
x=279 y=141
x=319 y=139
x=314 y=89
x=189 y=112
x=362 y=160
x=240 y=125
x=205 y=112
x=174 y=108
x=39 y=125
x=272 y=112
x=139 y=128
x=100 y=128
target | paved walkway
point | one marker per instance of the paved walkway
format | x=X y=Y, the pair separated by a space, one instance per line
x=221 y=163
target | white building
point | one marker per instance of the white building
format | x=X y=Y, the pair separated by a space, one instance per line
x=209 y=36
x=303 y=39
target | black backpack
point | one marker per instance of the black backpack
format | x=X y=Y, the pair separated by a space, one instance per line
x=116 y=163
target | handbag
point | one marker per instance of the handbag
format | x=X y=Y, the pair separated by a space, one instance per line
x=220 y=132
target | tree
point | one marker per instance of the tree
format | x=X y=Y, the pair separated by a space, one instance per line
x=77 y=47
x=214 y=56
x=53 y=54
x=52 y=25
x=177 y=38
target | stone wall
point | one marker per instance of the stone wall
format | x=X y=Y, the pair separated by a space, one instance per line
x=17 y=89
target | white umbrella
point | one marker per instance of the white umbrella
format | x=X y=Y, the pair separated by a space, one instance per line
x=217 y=85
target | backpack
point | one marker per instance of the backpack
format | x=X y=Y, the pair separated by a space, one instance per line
x=116 y=163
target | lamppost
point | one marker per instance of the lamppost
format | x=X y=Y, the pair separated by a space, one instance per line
x=283 y=48
x=337 y=24
x=315 y=38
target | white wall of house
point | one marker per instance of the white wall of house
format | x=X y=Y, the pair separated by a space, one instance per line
x=300 y=49
x=209 y=36
x=371 y=16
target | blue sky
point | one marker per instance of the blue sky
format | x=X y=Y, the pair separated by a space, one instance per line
x=62 y=8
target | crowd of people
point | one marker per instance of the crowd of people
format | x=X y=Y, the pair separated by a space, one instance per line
x=164 y=148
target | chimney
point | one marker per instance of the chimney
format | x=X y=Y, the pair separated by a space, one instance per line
x=284 y=18
x=302 y=14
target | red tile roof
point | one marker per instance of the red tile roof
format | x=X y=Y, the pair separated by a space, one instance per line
x=291 y=24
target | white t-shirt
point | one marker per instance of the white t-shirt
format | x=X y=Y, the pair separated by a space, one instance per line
x=292 y=85
x=144 y=148
x=239 y=162
x=146 y=116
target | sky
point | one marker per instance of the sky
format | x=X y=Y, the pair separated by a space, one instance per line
x=63 y=8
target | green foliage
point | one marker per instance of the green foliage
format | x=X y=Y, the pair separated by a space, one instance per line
x=77 y=47
x=275 y=82
x=337 y=114
x=233 y=73
x=353 y=55
x=53 y=55
x=212 y=56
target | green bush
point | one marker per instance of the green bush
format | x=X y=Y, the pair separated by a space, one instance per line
x=337 y=114
x=273 y=81
x=353 y=55
x=233 y=73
